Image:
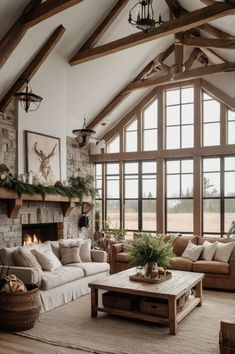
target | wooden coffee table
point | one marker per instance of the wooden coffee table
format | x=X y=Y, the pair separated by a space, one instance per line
x=172 y=289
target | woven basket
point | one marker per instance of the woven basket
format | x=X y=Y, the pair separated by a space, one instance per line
x=19 y=311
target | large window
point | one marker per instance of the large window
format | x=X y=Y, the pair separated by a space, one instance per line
x=150 y=124
x=131 y=137
x=176 y=184
x=211 y=121
x=149 y=196
x=218 y=189
x=131 y=196
x=113 y=194
x=180 y=118
x=231 y=127
x=179 y=196
x=114 y=145
x=99 y=186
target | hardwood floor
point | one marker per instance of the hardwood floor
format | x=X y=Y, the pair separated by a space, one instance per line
x=13 y=344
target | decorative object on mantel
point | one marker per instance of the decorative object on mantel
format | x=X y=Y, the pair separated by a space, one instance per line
x=83 y=135
x=149 y=253
x=7 y=180
x=43 y=157
x=85 y=184
x=29 y=101
x=145 y=16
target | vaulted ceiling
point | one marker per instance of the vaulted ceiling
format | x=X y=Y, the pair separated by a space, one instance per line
x=92 y=85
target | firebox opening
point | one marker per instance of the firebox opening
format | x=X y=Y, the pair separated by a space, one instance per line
x=38 y=233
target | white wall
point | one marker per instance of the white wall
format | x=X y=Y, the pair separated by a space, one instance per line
x=50 y=82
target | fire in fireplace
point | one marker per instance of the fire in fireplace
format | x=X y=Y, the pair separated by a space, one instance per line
x=38 y=233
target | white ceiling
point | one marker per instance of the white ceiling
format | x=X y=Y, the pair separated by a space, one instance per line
x=91 y=85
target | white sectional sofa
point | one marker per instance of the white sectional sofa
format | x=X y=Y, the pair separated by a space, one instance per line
x=62 y=285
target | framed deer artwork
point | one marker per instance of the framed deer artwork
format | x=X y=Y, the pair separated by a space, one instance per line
x=43 y=157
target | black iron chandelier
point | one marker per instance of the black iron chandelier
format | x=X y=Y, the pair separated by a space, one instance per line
x=145 y=16
x=29 y=101
x=83 y=135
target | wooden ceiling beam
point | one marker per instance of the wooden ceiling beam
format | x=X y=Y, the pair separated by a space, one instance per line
x=175 y=7
x=214 y=57
x=33 y=67
x=102 y=28
x=209 y=43
x=184 y=23
x=216 y=31
x=208 y=2
x=193 y=56
x=189 y=75
x=16 y=33
x=47 y=9
x=121 y=96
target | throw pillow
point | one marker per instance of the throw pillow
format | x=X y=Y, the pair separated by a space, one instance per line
x=223 y=251
x=192 y=252
x=48 y=261
x=24 y=258
x=85 y=250
x=209 y=250
x=70 y=254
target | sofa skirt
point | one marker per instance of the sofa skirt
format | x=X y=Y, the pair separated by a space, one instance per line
x=63 y=294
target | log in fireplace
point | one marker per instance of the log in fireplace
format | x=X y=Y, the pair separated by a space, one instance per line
x=38 y=233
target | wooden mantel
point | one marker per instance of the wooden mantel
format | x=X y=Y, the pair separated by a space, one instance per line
x=15 y=202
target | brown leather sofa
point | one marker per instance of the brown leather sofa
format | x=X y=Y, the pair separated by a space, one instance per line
x=218 y=275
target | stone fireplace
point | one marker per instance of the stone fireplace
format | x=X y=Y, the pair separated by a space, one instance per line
x=37 y=212
x=43 y=218
x=39 y=233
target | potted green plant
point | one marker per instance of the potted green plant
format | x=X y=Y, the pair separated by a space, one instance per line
x=113 y=232
x=150 y=252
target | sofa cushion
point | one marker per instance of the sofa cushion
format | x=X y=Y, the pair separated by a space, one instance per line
x=180 y=263
x=55 y=246
x=70 y=253
x=60 y=276
x=215 y=267
x=123 y=257
x=48 y=260
x=208 y=251
x=91 y=268
x=24 y=258
x=223 y=251
x=192 y=251
x=181 y=242
x=85 y=250
x=7 y=255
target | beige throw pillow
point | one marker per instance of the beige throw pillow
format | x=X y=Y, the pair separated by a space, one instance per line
x=70 y=254
x=208 y=251
x=192 y=252
x=223 y=251
x=24 y=258
x=48 y=261
x=85 y=250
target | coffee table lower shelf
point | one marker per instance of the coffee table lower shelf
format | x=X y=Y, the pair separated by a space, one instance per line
x=188 y=307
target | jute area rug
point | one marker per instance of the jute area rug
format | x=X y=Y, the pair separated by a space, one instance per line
x=71 y=326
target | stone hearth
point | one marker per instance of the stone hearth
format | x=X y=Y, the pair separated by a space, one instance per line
x=37 y=213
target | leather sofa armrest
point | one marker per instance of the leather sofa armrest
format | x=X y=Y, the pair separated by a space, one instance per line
x=115 y=249
x=27 y=275
x=232 y=263
x=98 y=256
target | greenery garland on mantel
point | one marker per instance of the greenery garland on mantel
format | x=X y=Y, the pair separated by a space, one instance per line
x=78 y=187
